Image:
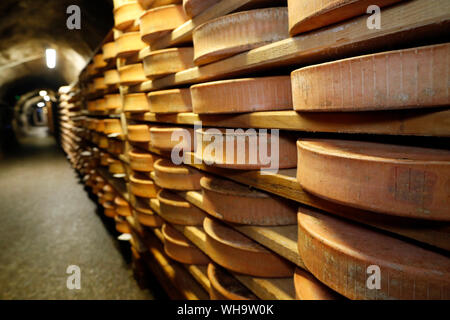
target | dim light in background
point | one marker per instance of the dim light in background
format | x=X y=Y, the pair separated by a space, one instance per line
x=41 y=104
x=42 y=93
x=50 y=56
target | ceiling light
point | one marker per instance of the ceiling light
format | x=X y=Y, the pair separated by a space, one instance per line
x=46 y=98
x=41 y=104
x=42 y=93
x=50 y=55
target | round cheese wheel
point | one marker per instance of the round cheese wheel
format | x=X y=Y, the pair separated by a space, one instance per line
x=99 y=84
x=225 y=36
x=112 y=77
x=177 y=177
x=109 y=51
x=122 y=207
x=112 y=126
x=122 y=225
x=166 y=138
x=115 y=166
x=361 y=263
x=225 y=287
x=391 y=179
x=236 y=252
x=142 y=186
x=132 y=74
x=194 y=7
x=138 y=132
x=244 y=149
x=307 y=287
x=113 y=101
x=236 y=203
x=167 y=61
x=100 y=125
x=409 y=78
x=141 y=160
x=147 y=217
x=170 y=101
x=99 y=62
x=242 y=95
x=176 y=210
x=307 y=15
x=129 y=43
x=109 y=209
x=125 y=15
x=159 y=21
x=135 y=102
x=179 y=248
x=108 y=193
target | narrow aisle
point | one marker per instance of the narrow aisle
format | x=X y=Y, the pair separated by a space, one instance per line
x=47 y=223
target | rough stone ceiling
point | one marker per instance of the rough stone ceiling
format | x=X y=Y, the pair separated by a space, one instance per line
x=28 y=27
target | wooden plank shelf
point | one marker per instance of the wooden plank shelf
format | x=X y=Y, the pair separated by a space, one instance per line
x=264 y=288
x=404 y=24
x=432 y=122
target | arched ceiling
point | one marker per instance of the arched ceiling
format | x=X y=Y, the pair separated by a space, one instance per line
x=28 y=27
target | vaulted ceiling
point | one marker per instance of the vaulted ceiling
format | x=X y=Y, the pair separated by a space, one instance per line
x=28 y=27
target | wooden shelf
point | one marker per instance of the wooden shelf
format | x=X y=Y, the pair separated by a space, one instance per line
x=432 y=122
x=403 y=24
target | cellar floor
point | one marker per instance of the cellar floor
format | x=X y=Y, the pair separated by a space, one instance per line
x=47 y=222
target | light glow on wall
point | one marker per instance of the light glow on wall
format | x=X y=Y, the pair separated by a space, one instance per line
x=50 y=56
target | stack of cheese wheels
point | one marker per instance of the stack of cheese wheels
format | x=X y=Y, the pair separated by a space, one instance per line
x=115 y=166
x=159 y=21
x=176 y=210
x=109 y=193
x=122 y=225
x=409 y=78
x=391 y=179
x=122 y=207
x=142 y=186
x=99 y=62
x=236 y=203
x=129 y=43
x=126 y=14
x=177 y=177
x=147 y=217
x=112 y=126
x=242 y=95
x=131 y=74
x=167 y=138
x=194 y=7
x=135 y=102
x=225 y=287
x=238 y=32
x=166 y=61
x=141 y=160
x=170 y=101
x=307 y=287
x=113 y=101
x=138 y=133
x=109 y=209
x=399 y=270
x=307 y=15
x=243 y=147
x=109 y=51
x=234 y=251
x=112 y=77
x=179 y=248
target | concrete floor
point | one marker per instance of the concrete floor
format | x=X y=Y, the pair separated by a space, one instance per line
x=47 y=222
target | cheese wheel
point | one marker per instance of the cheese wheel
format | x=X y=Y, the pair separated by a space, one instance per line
x=122 y=225
x=112 y=77
x=109 y=51
x=122 y=207
x=161 y=20
x=135 y=102
x=236 y=203
x=119 y=3
x=167 y=61
x=109 y=209
x=99 y=62
x=109 y=193
x=141 y=160
x=410 y=78
x=113 y=101
x=306 y=15
x=142 y=186
x=138 y=132
x=128 y=44
x=167 y=138
x=146 y=4
x=225 y=36
x=177 y=177
x=225 y=287
x=115 y=166
x=113 y=126
x=99 y=84
x=176 y=210
x=125 y=15
x=348 y=257
x=132 y=74
x=391 y=179
x=179 y=248
x=147 y=217
x=244 y=149
x=170 y=101
x=307 y=287
x=236 y=252
x=194 y=7
x=242 y=95
x=99 y=125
